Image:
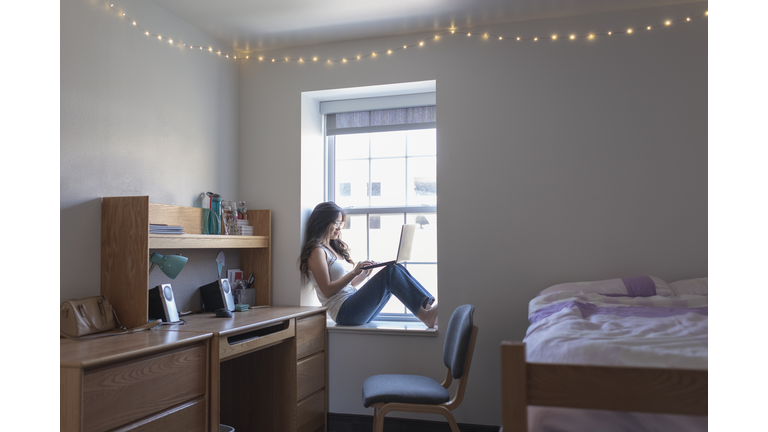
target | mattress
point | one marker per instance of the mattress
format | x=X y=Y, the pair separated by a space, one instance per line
x=639 y=321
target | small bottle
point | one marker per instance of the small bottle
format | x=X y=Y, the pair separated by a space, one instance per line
x=242 y=212
x=226 y=212
x=216 y=215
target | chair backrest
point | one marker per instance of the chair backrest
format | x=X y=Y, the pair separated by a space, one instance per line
x=457 y=338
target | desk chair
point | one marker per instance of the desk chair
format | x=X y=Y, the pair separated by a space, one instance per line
x=414 y=393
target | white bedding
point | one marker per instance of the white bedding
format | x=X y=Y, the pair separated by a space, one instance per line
x=581 y=326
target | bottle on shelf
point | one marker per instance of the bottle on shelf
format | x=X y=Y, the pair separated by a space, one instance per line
x=242 y=212
x=212 y=214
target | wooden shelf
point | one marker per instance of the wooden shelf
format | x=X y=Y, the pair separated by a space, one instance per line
x=201 y=241
x=126 y=244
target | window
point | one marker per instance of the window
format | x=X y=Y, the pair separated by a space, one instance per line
x=384 y=179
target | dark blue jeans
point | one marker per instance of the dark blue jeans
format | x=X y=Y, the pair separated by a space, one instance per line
x=364 y=305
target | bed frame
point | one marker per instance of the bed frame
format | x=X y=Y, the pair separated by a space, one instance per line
x=616 y=388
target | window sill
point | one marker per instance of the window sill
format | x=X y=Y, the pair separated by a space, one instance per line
x=398 y=328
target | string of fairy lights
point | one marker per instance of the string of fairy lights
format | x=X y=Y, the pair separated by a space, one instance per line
x=437 y=37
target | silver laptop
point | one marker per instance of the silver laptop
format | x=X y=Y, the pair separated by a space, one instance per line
x=403 y=250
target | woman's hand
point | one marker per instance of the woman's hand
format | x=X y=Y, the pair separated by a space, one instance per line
x=358 y=268
x=359 y=274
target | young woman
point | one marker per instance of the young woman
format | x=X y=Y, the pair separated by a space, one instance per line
x=326 y=262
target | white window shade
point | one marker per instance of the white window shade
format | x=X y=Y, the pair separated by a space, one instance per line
x=413 y=111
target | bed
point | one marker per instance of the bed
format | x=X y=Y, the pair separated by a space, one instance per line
x=625 y=354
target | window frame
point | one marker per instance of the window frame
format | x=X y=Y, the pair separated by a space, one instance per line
x=330 y=194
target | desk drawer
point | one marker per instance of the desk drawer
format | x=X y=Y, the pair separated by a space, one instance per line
x=189 y=417
x=311 y=413
x=122 y=394
x=310 y=375
x=236 y=345
x=310 y=335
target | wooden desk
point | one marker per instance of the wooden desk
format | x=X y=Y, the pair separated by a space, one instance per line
x=272 y=372
x=263 y=369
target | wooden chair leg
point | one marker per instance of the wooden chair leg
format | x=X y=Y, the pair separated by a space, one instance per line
x=378 y=420
x=451 y=421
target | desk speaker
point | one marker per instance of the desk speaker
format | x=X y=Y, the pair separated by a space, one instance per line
x=162 y=304
x=217 y=295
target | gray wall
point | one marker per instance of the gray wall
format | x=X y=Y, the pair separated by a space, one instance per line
x=139 y=117
x=557 y=161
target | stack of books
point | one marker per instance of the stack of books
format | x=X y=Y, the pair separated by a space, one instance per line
x=165 y=229
x=245 y=229
x=241 y=228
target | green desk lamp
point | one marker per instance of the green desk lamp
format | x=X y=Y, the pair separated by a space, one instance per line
x=171 y=265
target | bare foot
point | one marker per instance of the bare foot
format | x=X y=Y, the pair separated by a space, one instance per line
x=428 y=316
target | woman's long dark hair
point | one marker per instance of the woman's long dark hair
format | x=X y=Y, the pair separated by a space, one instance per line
x=321 y=218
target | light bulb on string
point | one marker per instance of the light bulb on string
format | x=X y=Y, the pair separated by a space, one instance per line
x=435 y=37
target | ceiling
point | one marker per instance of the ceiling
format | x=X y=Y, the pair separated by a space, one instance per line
x=259 y=25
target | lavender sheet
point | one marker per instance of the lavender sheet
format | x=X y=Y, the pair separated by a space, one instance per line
x=577 y=327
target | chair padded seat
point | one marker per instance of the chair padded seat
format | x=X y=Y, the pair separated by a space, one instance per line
x=415 y=389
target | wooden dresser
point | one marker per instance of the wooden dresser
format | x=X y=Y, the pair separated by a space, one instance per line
x=145 y=381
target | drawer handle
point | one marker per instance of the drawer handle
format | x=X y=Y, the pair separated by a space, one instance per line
x=256 y=334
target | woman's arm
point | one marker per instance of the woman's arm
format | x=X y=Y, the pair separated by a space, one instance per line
x=318 y=265
x=360 y=278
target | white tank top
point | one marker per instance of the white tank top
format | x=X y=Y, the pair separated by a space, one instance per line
x=337 y=268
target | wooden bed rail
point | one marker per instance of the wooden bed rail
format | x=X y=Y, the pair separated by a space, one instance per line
x=617 y=388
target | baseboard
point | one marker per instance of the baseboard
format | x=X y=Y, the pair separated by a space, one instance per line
x=364 y=423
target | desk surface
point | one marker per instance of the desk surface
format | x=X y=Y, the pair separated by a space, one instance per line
x=241 y=321
x=99 y=351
